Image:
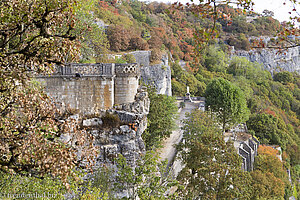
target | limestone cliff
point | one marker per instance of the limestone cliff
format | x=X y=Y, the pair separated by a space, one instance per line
x=159 y=74
x=116 y=131
x=124 y=135
x=272 y=60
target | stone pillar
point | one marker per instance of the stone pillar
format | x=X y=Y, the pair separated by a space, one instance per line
x=126 y=83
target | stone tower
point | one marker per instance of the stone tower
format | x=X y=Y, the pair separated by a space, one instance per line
x=126 y=83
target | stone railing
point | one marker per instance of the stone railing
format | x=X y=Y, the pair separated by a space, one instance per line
x=97 y=69
x=126 y=69
x=86 y=69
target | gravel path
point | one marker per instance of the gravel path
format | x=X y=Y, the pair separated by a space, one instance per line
x=169 y=151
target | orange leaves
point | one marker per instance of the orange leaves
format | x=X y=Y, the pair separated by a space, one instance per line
x=267 y=150
x=133 y=126
x=270 y=112
x=31 y=131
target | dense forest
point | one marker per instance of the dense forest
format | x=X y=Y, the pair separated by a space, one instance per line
x=270 y=102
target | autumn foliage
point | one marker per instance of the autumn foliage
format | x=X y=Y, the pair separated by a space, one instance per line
x=267 y=150
x=33 y=37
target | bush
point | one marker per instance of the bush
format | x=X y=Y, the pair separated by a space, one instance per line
x=156 y=55
x=283 y=77
x=118 y=37
x=155 y=42
x=137 y=43
x=129 y=58
x=161 y=118
x=110 y=120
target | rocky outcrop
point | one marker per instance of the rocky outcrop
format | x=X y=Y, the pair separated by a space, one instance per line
x=122 y=136
x=159 y=74
x=272 y=60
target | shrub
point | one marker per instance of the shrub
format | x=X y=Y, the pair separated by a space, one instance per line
x=155 y=42
x=283 y=77
x=110 y=120
x=137 y=43
x=156 y=55
x=118 y=37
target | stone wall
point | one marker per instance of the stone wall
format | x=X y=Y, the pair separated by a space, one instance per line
x=126 y=83
x=89 y=88
x=86 y=94
x=126 y=138
x=245 y=144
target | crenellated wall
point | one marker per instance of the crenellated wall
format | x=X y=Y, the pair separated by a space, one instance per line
x=89 y=88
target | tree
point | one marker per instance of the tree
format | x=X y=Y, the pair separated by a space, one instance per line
x=272 y=164
x=161 y=118
x=266 y=186
x=268 y=128
x=283 y=77
x=268 y=13
x=15 y=186
x=215 y=59
x=269 y=176
x=149 y=179
x=35 y=35
x=210 y=11
x=94 y=42
x=119 y=37
x=227 y=102
x=212 y=168
x=137 y=43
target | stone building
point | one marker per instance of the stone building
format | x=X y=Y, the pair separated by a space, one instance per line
x=89 y=88
x=245 y=144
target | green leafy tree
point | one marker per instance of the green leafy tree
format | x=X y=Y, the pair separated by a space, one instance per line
x=161 y=118
x=94 y=42
x=215 y=59
x=266 y=186
x=283 y=77
x=268 y=128
x=270 y=163
x=149 y=180
x=212 y=168
x=227 y=102
x=27 y=187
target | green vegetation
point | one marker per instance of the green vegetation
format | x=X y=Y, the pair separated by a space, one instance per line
x=161 y=118
x=212 y=166
x=27 y=187
x=35 y=37
x=148 y=180
x=227 y=103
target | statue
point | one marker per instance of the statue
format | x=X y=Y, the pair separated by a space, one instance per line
x=187 y=95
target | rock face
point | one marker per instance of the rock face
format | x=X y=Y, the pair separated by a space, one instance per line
x=124 y=138
x=116 y=131
x=274 y=61
x=159 y=74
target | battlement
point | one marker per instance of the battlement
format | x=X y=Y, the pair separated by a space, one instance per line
x=92 y=87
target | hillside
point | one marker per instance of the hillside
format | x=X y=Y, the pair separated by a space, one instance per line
x=122 y=99
x=273 y=99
